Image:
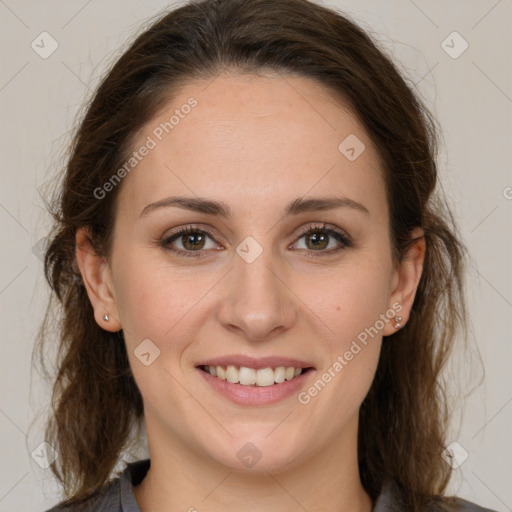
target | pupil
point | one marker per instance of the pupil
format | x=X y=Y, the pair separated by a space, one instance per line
x=319 y=241
x=192 y=241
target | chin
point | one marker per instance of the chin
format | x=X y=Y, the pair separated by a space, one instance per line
x=256 y=453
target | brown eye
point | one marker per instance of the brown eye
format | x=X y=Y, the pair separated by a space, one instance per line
x=323 y=240
x=188 y=241
x=193 y=241
x=316 y=241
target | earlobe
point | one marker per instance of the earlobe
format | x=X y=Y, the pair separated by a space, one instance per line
x=97 y=278
x=406 y=280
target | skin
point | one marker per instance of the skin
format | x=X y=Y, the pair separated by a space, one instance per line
x=255 y=143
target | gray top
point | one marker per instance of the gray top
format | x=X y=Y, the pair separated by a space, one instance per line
x=118 y=497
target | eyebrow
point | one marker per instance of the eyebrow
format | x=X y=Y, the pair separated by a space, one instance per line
x=219 y=209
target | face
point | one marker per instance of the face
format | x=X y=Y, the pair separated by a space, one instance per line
x=284 y=275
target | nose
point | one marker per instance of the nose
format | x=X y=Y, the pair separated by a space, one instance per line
x=257 y=302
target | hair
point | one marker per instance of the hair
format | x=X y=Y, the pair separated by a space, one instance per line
x=95 y=400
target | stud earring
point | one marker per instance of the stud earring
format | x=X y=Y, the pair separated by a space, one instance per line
x=398 y=319
x=106 y=318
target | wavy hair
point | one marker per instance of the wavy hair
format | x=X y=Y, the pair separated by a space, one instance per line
x=95 y=402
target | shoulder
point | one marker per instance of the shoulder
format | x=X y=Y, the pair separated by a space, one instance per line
x=391 y=499
x=460 y=505
x=108 y=499
x=454 y=504
x=117 y=496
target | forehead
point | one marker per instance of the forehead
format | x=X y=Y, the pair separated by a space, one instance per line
x=246 y=137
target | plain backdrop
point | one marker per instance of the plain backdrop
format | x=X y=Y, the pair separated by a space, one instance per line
x=468 y=89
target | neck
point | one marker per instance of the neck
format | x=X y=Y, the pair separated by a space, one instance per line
x=183 y=479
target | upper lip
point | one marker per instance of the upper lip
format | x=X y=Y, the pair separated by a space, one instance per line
x=256 y=362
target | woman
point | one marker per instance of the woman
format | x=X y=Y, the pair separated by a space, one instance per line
x=251 y=261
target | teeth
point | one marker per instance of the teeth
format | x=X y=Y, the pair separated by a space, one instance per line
x=232 y=374
x=221 y=374
x=250 y=376
x=280 y=374
x=247 y=376
x=265 y=377
x=289 y=373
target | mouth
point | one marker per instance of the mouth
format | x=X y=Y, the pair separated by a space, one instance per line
x=255 y=381
x=255 y=377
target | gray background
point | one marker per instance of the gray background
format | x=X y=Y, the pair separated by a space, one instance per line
x=471 y=95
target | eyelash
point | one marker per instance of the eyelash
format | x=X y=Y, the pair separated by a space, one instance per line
x=336 y=233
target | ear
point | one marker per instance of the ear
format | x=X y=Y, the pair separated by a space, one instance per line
x=406 y=279
x=97 y=278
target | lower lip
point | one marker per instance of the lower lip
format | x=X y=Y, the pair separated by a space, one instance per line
x=256 y=395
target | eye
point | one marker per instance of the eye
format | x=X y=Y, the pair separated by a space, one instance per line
x=189 y=240
x=319 y=238
x=323 y=239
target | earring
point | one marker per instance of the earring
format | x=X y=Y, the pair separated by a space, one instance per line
x=105 y=317
x=398 y=319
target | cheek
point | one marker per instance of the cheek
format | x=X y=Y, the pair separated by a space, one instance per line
x=159 y=301
x=349 y=309
x=154 y=308
x=348 y=302
x=149 y=300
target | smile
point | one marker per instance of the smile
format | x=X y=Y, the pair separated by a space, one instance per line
x=260 y=377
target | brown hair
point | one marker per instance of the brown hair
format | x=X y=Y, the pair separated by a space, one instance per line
x=96 y=402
